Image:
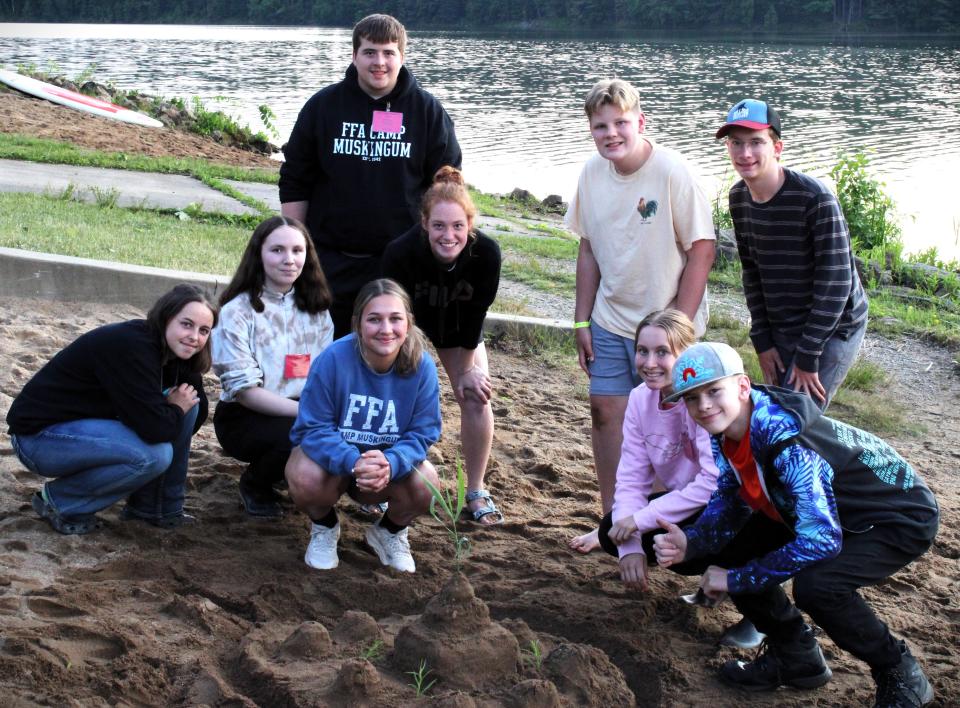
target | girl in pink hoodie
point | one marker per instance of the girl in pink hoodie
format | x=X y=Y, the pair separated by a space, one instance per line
x=661 y=445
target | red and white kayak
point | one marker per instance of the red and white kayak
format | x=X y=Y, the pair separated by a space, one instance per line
x=88 y=104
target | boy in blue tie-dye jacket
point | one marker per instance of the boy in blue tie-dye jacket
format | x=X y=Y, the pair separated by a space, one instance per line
x=806 y=497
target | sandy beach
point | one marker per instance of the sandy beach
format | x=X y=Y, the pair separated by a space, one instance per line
x=225 y=613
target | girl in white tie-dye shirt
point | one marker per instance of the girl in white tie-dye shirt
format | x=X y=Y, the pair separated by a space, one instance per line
x=274 y=323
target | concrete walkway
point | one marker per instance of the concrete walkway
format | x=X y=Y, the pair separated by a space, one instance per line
x=132 y=189
x=160 y=191
x=69 y=279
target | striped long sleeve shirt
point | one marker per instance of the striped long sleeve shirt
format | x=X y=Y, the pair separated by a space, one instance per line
x=799 y=275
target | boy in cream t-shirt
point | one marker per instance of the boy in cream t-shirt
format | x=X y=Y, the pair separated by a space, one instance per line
x=646 y=244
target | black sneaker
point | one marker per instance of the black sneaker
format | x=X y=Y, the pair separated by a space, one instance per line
x=799 y=664
x=259 y=502
x=904 y=685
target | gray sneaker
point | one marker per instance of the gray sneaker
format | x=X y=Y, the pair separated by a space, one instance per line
x=322 y=551
x=393 y=549
x=742 y=635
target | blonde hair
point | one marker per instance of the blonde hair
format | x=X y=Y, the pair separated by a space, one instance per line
x=448 y=186
x=411 y=351
x=677 y=325
x=615 y=92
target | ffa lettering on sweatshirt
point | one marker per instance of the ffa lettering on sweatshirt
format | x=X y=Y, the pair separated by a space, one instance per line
x=347 y=408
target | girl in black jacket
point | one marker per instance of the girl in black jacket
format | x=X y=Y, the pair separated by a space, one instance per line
x=451 y=273
x=111 y=416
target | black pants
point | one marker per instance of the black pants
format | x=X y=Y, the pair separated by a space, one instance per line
x=827 y=591
x=262 y=440
x=346 y=275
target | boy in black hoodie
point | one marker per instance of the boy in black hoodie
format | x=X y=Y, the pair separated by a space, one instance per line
x=360 y=156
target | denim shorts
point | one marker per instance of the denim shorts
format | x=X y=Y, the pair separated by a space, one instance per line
x=613 y=371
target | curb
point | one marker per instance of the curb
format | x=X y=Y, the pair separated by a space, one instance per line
x=72 y=279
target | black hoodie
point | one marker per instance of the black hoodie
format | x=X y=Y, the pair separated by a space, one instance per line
x=364 y=188
x=114 y=372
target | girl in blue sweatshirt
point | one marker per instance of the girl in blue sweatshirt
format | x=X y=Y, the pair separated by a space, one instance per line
x=368 y=414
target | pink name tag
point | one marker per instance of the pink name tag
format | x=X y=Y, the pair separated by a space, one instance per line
x=387 y=122
x=296 y=366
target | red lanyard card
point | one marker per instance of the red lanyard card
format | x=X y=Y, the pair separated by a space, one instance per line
x=296 y=366
x=387 y=122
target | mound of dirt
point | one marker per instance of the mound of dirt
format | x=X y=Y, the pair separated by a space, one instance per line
x=37 y=118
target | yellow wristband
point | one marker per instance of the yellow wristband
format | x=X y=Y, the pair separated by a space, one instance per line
x=580 y=325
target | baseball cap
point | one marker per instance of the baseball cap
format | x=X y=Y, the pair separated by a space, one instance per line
x=701 y=364
x=752 y=114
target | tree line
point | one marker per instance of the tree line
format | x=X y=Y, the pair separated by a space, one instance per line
x=937 y=16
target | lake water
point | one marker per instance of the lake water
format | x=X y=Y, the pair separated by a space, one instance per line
x=517 y=100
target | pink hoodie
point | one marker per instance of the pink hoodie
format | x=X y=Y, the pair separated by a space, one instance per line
x=665 y=445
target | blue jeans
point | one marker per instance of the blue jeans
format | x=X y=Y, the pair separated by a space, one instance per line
x=835 y=361
x=94 y=463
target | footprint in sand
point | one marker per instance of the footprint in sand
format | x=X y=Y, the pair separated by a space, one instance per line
x=77 y=645
x=51 y=609
x=544 y=471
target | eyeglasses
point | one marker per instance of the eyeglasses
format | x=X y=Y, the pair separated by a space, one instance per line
x=753 y=144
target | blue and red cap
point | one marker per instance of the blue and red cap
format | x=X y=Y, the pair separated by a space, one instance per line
x=752 y=114
x=703 y=363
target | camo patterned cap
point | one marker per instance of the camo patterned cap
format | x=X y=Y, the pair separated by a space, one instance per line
x=701 y=364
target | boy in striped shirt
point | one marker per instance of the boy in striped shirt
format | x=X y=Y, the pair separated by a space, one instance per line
x=807 y=307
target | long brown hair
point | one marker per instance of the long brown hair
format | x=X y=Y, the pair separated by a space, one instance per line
x=168 y=306
x=411 y=351
x=310 y=291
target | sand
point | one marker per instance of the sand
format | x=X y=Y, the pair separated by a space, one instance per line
x=225 y=613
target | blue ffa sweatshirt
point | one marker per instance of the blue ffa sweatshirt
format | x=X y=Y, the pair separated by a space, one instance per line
x=346 y=408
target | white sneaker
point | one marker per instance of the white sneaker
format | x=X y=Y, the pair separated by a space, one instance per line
x=322 y=551
x=392 y=548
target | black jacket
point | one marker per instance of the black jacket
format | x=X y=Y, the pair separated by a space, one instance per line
x=113 y=372
x=449 y=304
x=364 y=188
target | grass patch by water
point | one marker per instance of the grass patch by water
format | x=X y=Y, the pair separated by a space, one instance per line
x=892 y=314
x=49 y=225
x=21 y=147
x=539 y=276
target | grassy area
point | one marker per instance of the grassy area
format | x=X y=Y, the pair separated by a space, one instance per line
x=935 y=321
x=490 y=205
x=860 y=401
x=538 y=276
x=21 y=147
x=545 y=247
x=50 y=225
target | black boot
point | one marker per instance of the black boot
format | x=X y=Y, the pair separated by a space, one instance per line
x=259 y=500
x=904 y=685
x=798 y=663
